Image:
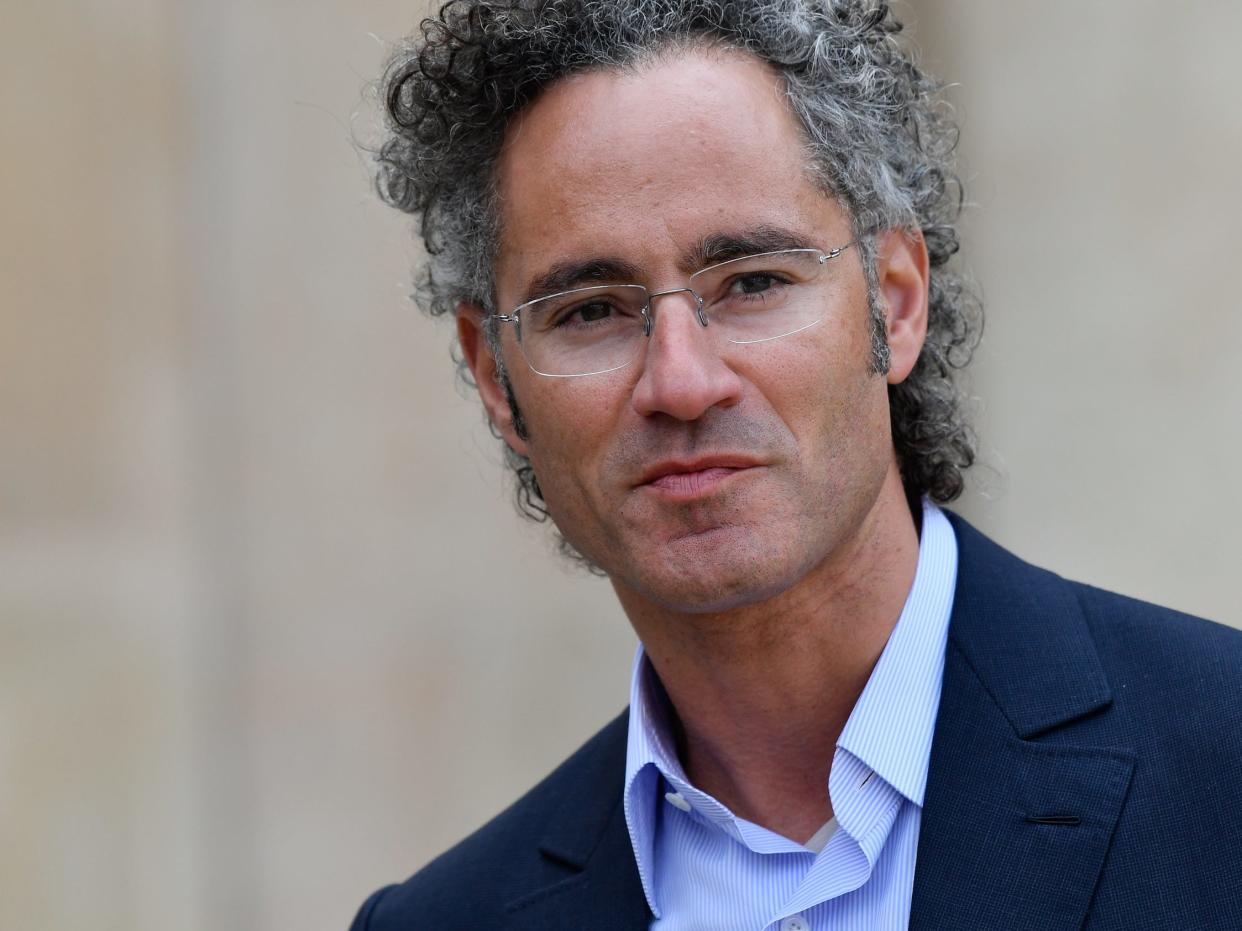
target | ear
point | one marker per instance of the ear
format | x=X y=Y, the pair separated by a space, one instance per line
x=902 y=270
x=486 y=372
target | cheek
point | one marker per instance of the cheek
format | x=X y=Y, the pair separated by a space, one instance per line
x=569 y=423
x=816 y=382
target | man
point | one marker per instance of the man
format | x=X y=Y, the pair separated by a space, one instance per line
x=698 y=257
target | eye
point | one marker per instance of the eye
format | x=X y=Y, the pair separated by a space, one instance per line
x=588 y=313
x=592 y=312
x=604 y=312
x=755 y=283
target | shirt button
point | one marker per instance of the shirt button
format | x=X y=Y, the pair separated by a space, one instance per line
x=795 y=923
x=677 y=800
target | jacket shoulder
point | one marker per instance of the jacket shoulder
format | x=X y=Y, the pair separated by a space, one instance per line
x=1052 y=650
x=1165 y=664
x=470 y=884
x=1110 y=612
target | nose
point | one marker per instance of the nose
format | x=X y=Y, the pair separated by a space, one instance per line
x=683 y=374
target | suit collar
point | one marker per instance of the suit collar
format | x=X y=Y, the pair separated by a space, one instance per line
x=1015 y=830
x=1023 y=633
x=578 y=821
x=590 y=880
x=604 y=894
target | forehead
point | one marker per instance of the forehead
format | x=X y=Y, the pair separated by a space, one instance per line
x=641 y=163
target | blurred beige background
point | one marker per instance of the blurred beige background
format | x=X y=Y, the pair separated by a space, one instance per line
x=270 y=633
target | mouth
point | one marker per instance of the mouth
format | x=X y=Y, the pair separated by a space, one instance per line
x=684 y=480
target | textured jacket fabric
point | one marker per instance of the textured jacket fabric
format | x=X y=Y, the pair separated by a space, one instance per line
x=1086 y=772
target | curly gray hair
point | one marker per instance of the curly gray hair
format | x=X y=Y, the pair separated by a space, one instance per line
x=875 y=127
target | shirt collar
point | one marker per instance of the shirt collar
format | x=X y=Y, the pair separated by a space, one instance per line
x=891 y=726
x=651 y=730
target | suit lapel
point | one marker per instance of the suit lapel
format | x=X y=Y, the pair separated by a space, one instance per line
x=605 y=894
x=588 y=877
x=1017 y=817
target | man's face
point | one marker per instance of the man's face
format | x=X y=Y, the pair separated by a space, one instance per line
x=698 y=477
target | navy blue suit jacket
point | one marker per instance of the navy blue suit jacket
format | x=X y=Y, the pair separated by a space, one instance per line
x=1086 y=772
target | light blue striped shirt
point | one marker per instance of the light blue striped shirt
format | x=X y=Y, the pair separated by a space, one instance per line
x=702 y=867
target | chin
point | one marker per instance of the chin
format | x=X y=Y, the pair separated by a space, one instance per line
x=705 y=575
x=710 y=596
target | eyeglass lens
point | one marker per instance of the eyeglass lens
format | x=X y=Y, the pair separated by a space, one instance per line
x=602 y=328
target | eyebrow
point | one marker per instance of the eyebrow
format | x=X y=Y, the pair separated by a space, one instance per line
x=710 y=250
x=721 y=247
x=566 y=275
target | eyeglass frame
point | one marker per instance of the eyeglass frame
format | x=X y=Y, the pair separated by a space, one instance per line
x=514 y=316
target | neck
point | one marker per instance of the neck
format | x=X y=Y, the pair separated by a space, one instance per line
x=762 y=692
